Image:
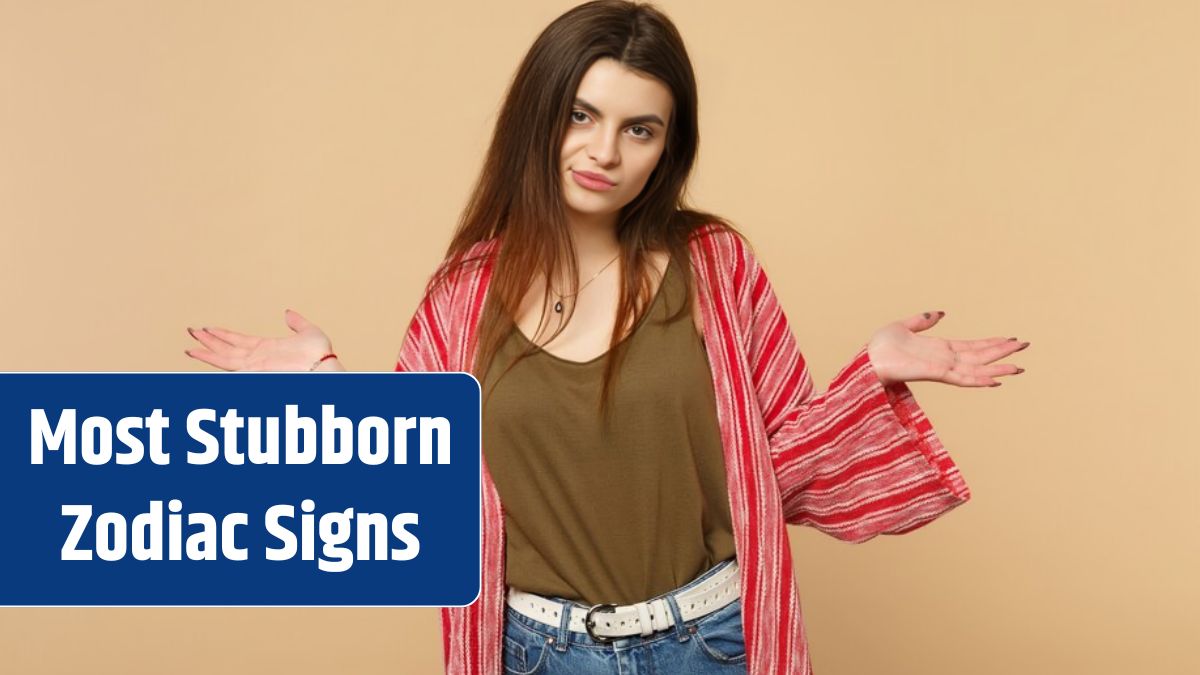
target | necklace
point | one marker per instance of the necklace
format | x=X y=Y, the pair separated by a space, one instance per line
x=558 y=306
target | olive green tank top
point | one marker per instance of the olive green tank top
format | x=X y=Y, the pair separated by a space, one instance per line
x=618 y=514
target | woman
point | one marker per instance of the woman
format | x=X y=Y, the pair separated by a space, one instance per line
x=647 y=464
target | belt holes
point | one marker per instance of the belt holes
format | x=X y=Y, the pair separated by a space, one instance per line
x=556 y=615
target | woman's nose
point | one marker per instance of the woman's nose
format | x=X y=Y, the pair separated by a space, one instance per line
x=604 y=150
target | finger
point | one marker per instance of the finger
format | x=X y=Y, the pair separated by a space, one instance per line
x=923 y=321
x=959 y=375
x=967 y=375
x=233 y=338
x=998 y=370
x=294 y=321
x=213 y=343
x=212 y=359
x=968 y=345
x=993 y=352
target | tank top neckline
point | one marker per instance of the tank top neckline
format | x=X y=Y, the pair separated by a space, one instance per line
x=653 y=303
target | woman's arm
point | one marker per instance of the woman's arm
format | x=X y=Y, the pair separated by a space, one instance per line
x=416 y=352
x=856 y=461
x=299 y=351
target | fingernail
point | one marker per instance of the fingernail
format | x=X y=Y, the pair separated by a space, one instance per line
x=1023 y=346
x=1011 y=339
x=190 y=332
x=1020 y=370
x=926 y=315
x=941 y=313
x=994 y=384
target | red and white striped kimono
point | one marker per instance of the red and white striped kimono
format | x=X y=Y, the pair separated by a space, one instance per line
x=855 y=462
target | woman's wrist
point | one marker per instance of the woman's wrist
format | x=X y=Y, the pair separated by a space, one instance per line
x=327 y=363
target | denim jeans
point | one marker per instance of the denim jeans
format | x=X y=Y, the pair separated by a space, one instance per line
x=712 y=644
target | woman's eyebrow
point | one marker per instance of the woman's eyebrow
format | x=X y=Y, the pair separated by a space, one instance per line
x=640 y=119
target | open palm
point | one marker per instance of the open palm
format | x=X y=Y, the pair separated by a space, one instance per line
x=229 y=350
x=899 y=354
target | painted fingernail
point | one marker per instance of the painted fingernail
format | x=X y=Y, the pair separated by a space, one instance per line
x=941 y=313
x=994 y=384
x=1020 y=370
x=1011 y=339
x=190 y=332
x=1023 y=346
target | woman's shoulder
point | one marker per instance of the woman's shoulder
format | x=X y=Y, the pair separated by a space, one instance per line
x=718 y=238
x=714 y=245
x=458 y=273
x=470 y=262
x=475 y=256
x=725 y=248
x=484 y=247
x=722 y=237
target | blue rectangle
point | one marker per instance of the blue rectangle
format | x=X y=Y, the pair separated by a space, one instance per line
x=430 y=512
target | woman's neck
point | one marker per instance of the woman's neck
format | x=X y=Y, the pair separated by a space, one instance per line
x=595 y=239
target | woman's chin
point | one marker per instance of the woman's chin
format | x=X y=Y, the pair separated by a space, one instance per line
x=591 y=208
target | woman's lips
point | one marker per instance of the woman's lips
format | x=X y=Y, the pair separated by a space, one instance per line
x=587 y=180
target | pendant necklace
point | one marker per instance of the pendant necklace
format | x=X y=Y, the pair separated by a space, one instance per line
x=558 y=306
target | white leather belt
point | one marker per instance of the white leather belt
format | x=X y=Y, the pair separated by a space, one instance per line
x=643 y=618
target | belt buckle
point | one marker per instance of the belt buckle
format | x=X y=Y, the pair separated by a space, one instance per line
x=588 y=623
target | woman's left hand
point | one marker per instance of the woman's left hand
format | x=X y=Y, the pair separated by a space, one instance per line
x=899 y=354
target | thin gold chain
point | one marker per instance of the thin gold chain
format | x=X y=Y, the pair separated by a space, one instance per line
x=561 y=296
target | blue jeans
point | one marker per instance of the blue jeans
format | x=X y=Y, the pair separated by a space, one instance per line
x=712 y=644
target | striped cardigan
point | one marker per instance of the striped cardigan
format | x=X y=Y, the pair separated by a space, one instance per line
x=855 y=462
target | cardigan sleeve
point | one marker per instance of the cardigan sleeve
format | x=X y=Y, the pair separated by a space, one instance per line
x=415 y=352
x=856 y=461
x=423 y=348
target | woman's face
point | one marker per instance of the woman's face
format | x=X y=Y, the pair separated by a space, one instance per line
x=616 y=134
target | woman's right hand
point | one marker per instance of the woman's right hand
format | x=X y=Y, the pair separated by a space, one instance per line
x=228 y=350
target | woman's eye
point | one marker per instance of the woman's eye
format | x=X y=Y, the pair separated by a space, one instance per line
x=642 y=132
x=578 y=116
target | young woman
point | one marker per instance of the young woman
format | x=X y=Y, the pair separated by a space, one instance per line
x=649 y=425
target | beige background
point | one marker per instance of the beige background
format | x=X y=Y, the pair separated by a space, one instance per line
x=1029 y=167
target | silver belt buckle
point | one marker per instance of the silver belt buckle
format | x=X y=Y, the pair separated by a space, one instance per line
x=588 y=623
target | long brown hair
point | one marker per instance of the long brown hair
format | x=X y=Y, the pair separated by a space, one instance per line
x=519 y=194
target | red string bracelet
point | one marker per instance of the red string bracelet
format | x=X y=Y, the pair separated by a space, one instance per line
x=321 y=360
